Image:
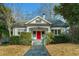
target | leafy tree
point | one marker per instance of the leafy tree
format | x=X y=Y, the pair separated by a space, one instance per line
x=5 y=21
x=7 y=16
x=47 y=9
x=70 y=12
x=3 y=29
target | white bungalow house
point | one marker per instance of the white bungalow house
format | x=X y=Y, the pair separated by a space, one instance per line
x=39 y=26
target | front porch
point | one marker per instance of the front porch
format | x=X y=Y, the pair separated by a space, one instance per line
x=38 y=34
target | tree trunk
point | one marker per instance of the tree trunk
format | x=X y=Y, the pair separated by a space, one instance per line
x=9 y=29
x=0 y=38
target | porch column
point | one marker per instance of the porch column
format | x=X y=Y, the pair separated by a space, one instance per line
x=27 y=29
x=49 y=30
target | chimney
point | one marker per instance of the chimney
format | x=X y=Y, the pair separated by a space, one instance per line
x=44 y=15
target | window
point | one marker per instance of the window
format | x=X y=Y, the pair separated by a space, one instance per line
x=52 y=31
x=56 y=31
x=34 y=33
x=43 y=32
x=59 y=31
x=19 y=32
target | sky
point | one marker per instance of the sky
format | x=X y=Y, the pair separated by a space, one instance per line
x=24 y=7
x=24 y=10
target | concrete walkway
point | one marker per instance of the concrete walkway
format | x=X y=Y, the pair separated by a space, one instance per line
x=37 y=50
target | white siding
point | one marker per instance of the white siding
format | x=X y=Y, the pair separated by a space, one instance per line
x=16 y=30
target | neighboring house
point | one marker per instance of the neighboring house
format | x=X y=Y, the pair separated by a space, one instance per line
x=39 y=26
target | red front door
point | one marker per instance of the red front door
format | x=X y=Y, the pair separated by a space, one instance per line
x=38 y=35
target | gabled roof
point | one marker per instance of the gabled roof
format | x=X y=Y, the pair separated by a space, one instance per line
x=38 y=17
x=59 y=23
x=19 y=23
x=54 y=23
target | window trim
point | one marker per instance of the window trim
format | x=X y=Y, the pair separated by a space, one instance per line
x=55 y=31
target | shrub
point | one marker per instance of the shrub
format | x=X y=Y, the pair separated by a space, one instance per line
x=25 y=38
x=61 y=39
x=75 y=39
x=5 y=40
x=49 y=37
x=15 y=40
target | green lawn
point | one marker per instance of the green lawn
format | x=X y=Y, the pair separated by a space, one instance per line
x=13 y=50
x=64 y=49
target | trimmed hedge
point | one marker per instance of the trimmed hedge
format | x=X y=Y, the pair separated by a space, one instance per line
x=23 y=39
x=61 y=39
x=26 y=38
x=15 y=40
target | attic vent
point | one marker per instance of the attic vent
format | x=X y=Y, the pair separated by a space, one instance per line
x=38 y=21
